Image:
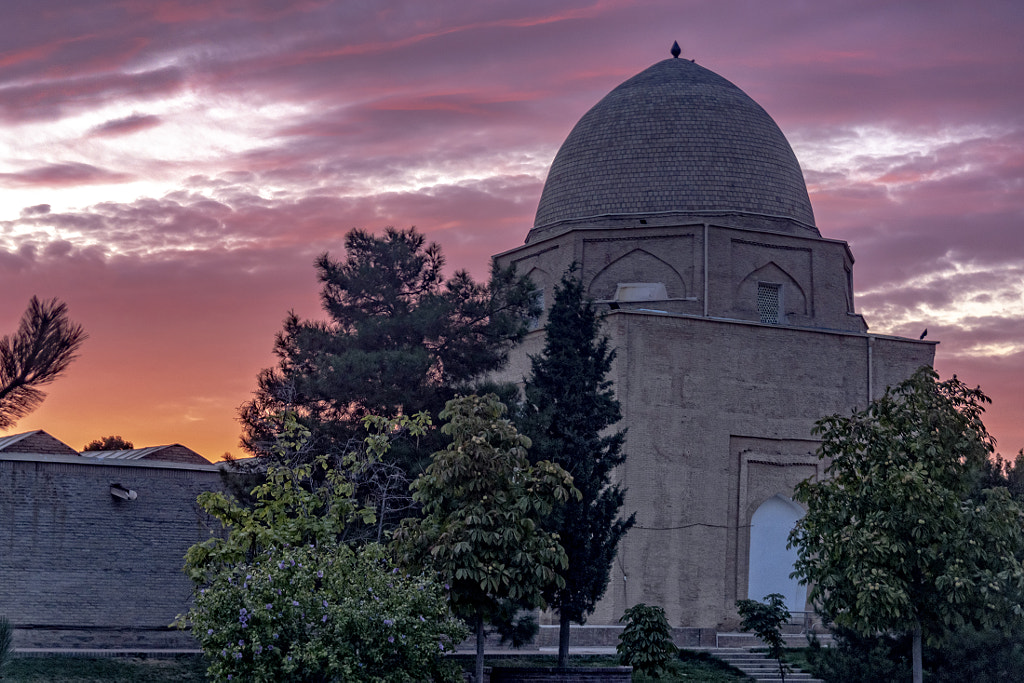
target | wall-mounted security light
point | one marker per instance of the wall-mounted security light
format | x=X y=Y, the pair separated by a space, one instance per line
x=118 y=491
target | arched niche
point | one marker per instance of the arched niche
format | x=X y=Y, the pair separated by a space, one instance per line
x=636 y=267
x=539 y=277
x=794 y=300
x=542 y=281
x=771 y=562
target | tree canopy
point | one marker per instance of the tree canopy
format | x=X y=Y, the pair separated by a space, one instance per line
x=38 y=353
x=483 y=504
x=893 y=539
x=109 y=443
x=399 y=338
x=283 y=597
x=569 y=408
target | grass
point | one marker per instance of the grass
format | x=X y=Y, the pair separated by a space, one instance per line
x=797 y=656
x=692 y=667
x=104 y=669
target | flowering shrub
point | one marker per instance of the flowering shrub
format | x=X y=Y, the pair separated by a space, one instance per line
x=324 y=613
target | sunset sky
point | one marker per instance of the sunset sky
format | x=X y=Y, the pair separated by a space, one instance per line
x=170 y=169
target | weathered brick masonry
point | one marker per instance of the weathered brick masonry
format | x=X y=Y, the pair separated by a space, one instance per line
x=685 y=210
x=82 y=568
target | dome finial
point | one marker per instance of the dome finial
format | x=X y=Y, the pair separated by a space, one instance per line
x=675 y=49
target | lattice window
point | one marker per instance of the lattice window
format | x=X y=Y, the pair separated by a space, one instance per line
x=769 y=302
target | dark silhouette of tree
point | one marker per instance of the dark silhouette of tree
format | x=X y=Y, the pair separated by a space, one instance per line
x=1005 y=473
x=44 y=345
x=569 y=409
x=109 y=443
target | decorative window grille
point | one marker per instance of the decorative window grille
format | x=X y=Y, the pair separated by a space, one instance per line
x=769 y=299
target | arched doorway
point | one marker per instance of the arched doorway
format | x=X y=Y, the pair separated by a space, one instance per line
x=770 y=561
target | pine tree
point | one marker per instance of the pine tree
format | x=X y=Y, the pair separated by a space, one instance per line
x=38 y=353
x=400 y=338
x=569 y=409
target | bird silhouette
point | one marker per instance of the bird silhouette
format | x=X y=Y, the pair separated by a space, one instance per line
x=924 y=334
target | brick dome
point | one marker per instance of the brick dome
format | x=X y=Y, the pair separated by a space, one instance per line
x=675 y=139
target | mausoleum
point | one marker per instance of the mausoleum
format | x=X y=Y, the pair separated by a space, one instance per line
x=734 y=322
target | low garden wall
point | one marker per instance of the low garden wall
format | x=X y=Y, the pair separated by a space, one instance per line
x=552 y=674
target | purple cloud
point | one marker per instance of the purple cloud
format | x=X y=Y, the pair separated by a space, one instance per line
x=62 y=175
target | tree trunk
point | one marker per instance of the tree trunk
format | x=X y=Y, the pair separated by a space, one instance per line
x=563 y=640
x=918 y=667
x=478 y=673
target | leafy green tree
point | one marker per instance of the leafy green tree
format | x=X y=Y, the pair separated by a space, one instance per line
x=38 y=353
x=109 y=443
x=569 y=409
x=483 y=503
x=282 y=597
x=646 y=642
x=400 y=338
x=766 y=620
x=892 y=540
x=312 y=503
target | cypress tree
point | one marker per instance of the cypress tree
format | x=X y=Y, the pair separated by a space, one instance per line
x=569 y=409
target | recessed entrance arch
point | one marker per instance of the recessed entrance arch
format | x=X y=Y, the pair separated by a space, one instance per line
x=770 y=561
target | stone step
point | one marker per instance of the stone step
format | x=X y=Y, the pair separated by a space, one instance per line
x=758 y=666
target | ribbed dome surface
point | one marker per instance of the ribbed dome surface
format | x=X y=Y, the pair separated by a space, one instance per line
x=674 y=138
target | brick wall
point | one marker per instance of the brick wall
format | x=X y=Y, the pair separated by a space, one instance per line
x=81 y=568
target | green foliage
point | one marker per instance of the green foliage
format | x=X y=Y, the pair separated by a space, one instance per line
x=400 y=338
x=38 y=353
x=646 y=642
x=324 y=612
x=109 y=443
x=965 y=654
x=310 y=503
x=6 y=638
x=854 y=658
x=483 y=503
x=766 y=619
x=1000 y=472
x=891 y=539
x=283 y=598
x=979 y=656
x=569 y=408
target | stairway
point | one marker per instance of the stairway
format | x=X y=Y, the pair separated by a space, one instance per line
x=758 y=666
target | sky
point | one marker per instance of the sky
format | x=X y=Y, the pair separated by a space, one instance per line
x=170 y=169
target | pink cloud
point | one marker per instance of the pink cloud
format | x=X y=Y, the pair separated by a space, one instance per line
x=127 y=125
x=49 y=99
x=63 y=175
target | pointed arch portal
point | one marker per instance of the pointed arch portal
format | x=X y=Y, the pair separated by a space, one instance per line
x=770 y=561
